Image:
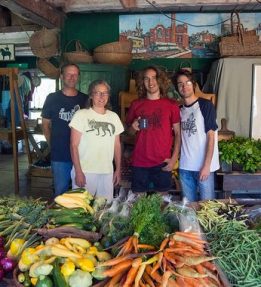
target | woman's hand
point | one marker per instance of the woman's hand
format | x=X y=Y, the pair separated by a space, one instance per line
x=80 y=179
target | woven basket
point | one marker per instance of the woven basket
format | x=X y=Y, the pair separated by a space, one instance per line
x=48 y=68
x=118 y=53
x=80 y=55
x=241 y=42
x=44 y=43
x=15 y=276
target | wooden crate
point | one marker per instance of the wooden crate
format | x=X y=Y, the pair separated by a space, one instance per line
x=41 y=172
x=41 y=187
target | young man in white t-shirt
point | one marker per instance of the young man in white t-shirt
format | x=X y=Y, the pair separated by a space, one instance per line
x=199 y=141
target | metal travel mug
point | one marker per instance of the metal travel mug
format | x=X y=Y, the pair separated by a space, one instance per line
x=143 y=123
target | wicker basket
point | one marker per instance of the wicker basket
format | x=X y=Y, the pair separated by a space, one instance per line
x=44 y=43
x=80 y=55
x=241 y=42
x=15 y=276
x=48 y=68
x=114 y=53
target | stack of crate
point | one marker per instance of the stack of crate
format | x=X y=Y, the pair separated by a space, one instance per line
x=41 y=180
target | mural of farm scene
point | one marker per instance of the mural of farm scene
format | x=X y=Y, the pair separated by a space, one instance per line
x=181 y=35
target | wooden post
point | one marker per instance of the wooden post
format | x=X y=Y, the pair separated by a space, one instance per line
x=12 y=74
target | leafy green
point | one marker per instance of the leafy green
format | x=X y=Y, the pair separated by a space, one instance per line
x=243 y=151
x=147 y=219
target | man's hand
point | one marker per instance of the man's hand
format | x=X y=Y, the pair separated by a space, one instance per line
x=169 y=164
x=116 y=177
x=135 y=124
x=204 y=173
x=80 y=179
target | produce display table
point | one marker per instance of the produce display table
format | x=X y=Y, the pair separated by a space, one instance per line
x=239 y=181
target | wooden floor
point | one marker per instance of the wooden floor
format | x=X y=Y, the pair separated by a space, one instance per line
x=28 y=186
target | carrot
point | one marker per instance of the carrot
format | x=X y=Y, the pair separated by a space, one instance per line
x=145 y=246
x=114 y=261
x=187 y=271
x=130 y=276
x=164 y=264
x=191 y=282
x=194 y=236
x=181 y=282
x=119 y=268
x=139 y=275
x=158 y=264
x=155 y=276
x=165 y=278
x=172 y=283
x=199 y=268
x=190 y=261
x=164 y=243
x=209 y=265
x=188 y=241
x=169 y=257
x=148 y=279
x=126 y=247
x=135 y=243
x=114 y=280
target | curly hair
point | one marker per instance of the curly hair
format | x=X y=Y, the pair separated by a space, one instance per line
x=162 y=79
x=186 y=73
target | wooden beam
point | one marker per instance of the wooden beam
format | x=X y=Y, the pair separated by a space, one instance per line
x=12 y=29
x=38 y=12
x=126 y=4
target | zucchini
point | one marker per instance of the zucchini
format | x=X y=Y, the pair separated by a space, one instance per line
x=66 y=212
x=58 y=278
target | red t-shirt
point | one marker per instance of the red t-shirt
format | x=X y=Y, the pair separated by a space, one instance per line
x=153 y=145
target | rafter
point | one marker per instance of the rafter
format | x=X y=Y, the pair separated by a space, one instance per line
x=38 y=12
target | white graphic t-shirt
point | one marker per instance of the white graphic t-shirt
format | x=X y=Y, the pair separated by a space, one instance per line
x=96 y=148
x=196 y=120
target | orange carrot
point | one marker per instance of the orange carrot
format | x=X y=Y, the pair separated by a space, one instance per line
x=164 y=243
x=164 y=264
x=130 y=276
x=114 y=280
x=165 y=278
x=181 y=282
x=145 y=246
x=158 y=264
x=191 y=282
x=126 y=247
x=172 y=283
x=135 y=243
x=114 y=261
x=119 y=268
x=148 y=279
x=209 y=265
x=169 y=257
x=199 y=268
x=155 y=276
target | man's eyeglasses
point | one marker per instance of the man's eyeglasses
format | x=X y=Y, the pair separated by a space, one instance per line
x=98 y=93
x=182 y=84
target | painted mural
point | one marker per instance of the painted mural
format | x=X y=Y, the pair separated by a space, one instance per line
x=181 y=35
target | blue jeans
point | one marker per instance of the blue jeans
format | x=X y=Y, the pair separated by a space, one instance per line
x=61 y=176
x=194 y=189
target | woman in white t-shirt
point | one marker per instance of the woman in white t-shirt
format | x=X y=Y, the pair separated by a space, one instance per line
x=95 y=143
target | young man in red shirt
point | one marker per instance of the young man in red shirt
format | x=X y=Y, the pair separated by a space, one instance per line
x=157 y=144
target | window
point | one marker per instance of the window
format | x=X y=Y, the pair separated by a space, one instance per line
x=46 y=87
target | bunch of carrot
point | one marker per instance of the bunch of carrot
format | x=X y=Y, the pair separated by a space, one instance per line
x=180 y=261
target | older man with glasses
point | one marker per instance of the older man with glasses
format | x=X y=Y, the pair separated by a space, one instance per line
x=199 y=141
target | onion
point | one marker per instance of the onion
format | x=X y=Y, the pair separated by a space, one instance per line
x=2 y=274
x=7 y=264
x=2 y=241
x=2 y=252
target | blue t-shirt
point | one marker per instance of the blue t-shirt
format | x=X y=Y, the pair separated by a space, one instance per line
x=60 y=109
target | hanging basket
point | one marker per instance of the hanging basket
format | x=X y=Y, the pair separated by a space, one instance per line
x=186 y=65
x=48 y=68
x=44 y=43
x=80 y=55
x=118 y=53
x=241 y=42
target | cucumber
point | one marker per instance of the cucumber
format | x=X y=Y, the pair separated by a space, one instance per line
x=58 y=278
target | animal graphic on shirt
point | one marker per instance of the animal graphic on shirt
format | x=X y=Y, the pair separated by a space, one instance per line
x=189 y=125
x=103 y=126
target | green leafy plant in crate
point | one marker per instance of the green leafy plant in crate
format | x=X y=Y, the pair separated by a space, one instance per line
x=243 y=151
